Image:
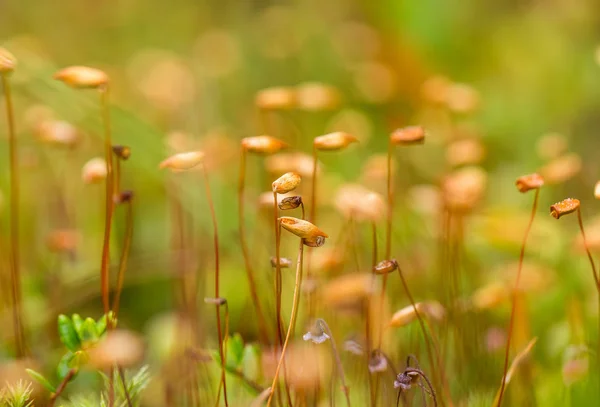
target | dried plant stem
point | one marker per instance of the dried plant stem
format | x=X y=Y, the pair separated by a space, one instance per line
x=213 y=217
x=338 y=360
x=105 y=265
x=295 y=306
x=124 y=256
x=428 y=342
x=15 y=273
x=514 y=296
x=262 y=325
x=61 y=387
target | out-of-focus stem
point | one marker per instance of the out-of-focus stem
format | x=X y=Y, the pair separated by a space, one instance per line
x=15 y=272
x=390 y=208
x=428 y=344
x=313 y=195
x=596 y=280
x=213 y=217
x=262 y=325
x=124 y=256
x=338 y=360
x=514 y=297
x=125 y=390
x=278 y=326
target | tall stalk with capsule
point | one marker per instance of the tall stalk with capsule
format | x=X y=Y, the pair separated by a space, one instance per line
x=566 y=207
x=82 y=77
x=328 y=142
x=406 y=136
x=524 y=184
x=187 y=161
x=122 y=153
x=284 y=184
x=7 y=65
x=263 y=145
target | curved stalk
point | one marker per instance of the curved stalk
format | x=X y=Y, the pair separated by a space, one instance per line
x=217 y=262
x=424 y=377
x=596 y=279
x=295 y=305
x=14 y=222
x=428 y=344
x=262 y=325
x=514 y=296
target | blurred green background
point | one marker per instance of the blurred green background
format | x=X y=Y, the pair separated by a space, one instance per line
x=531 y=68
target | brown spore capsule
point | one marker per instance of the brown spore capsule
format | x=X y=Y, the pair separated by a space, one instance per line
x=408 y=136
x=263 y=144
x=386 y=266
x=564 y=207
x=529 y=182
x=286 y=183
x=290 y=202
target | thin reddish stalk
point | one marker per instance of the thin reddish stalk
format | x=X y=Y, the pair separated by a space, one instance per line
x=104 y=268
x=514 y=296
x=61 y=387
x=313 y=195
x=367 y=306
x=372 y=394
x=278 y=284
x=223 y=356
x=262 y=325
x=278 y=325
x=428 y=343
x=295 y=306
x=313 y=215
x=587 y=250
x=15 y=271
x=213 y=217
x=124 y=256
x=596 y=280
x=390 y=208
x=125 y=390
